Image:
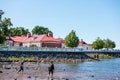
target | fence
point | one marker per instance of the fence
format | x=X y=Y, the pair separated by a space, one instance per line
x=12 y=48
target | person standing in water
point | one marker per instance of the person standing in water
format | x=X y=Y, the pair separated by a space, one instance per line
x=51 y=69
x=21 y=67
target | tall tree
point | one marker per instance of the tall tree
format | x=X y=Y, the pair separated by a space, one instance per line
x=1 y=13
x=109 y=44
x=71 y=40
x=98 y=44
x=18 y=31
x=4 y=25
x=40 y=30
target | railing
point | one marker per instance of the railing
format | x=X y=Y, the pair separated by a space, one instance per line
x=9 y=48
x=38 y=49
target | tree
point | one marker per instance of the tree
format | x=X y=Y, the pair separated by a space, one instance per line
x=4 y=24
x=98 y=44
x=18 y=31
x=71 y=40
x=109 y=44
x=40 y=30
x=1 y=13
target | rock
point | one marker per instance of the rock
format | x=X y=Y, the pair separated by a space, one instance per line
x=92 y=76
x=15 y=79
x=1 y=72
x=65 y=78
x=29 y=76
x=7 y=68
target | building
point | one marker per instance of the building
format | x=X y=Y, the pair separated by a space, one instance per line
x=44 y=40
x=84 y=46
x=15 y=40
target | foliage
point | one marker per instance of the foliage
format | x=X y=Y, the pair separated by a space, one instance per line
x=17 y=58
x=2 y=38
x=109 y=44
x=1 y=13
x=4 y=27
x=106 y=43
x=18 y=31
x=40 y=30
x=101 y=56
x=2 y=45
x=71 y=40
x=98 y=44
x=33 y=45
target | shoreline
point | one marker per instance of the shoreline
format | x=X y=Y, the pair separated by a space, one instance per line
x=34 y=71
x=45 y=61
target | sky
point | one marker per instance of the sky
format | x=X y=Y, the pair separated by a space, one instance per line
x=89 y=18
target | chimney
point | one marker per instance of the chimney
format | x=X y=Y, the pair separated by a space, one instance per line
x=50 y=34
x=29 y=35
x=81 y=40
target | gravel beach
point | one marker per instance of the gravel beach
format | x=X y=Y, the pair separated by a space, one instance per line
x=32 y=71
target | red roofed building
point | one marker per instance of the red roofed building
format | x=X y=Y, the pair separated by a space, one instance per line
x=83 y=45
x=44 y=40
x=15 y=40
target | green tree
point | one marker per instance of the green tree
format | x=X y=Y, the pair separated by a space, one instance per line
x=6 y=23
x=40 y=30
x=1 y=13
x=71 y=40
x=4 y=27
x=98 y=44
x=18 y=31
x=109 y=44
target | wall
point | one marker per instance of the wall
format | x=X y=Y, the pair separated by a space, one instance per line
x=51 y=44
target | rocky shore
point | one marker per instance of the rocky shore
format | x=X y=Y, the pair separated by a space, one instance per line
x=32 y=71
x=63 y=71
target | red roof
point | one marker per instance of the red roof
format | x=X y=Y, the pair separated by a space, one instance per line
x=17 y=38
x=50 y=39
x=82 y=43
x=36 y=38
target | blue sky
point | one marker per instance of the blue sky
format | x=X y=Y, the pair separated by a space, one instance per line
x=89 y=18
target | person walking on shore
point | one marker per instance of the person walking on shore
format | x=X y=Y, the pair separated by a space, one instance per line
x=21 y=67
x=51 y=69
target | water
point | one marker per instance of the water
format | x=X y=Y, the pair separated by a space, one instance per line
x=106 y=69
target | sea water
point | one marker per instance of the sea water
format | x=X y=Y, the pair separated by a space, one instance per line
x=106 y=69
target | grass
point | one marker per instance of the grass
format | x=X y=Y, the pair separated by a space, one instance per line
x=18 y=58
x=101 y=56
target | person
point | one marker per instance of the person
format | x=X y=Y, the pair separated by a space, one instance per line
x=21 y=67
x=51 y=69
